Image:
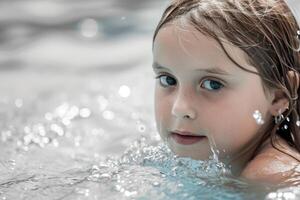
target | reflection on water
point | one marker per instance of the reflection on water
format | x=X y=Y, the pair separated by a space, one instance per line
x=76 y=91
x=72 y=35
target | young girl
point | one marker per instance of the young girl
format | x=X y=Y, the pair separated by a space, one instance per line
x=228 y=82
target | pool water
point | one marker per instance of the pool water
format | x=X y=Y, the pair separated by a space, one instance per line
x=76 y=109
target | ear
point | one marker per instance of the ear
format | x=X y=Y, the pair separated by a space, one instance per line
x=280 y=103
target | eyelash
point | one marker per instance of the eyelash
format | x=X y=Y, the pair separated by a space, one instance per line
x=161 y=75
x=205 y=79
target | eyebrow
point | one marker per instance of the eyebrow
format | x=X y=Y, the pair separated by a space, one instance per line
x=214 y=70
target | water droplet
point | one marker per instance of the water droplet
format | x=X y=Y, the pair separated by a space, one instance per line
x=19 y=143
x=298 y=123
x=124 y=91
x=180 y=185
x=103 y=102
x=77 y=140
x=258 y=117
x=72 y=112
x=141 y=128
x=83 y=191
x=155 y=136
x=12 y=162
x=27 y=129
x=289 y=195
x=130 y=193
x=55 y=143
x=214 y=150
x=48 y=116
x=89 y=28
x=105 y=175
x=61 y=110
x=19 y=103
x=288 y=119
x=109 y=115
x=156 y=184
x=119 y=188
x=66 y=122
x=46 y=140
x=27 y=139
x=5 y=135
x=84 y=112
x=285 y=126
x=57 y=129
x=39 y=129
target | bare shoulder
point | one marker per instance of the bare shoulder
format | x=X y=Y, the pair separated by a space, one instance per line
x=271 y=166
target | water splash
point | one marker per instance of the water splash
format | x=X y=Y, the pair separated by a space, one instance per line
x=258 y=117
x=154 y=172
x=214 y=149
x=290 y=193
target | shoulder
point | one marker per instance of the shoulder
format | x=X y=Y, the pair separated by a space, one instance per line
x=271 y=166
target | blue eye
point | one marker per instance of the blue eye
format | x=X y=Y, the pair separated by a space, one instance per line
x=166 y=81
x=212 y=85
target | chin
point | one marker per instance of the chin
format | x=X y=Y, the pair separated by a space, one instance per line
x=191 y=151
x=190 y=154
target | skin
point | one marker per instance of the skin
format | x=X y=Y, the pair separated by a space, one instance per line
x=218 y=97
x=271 y=166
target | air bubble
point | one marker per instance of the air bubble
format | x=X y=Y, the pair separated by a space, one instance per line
x=141 y=128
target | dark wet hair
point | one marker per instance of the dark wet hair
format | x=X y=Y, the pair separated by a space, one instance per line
x=266 y=31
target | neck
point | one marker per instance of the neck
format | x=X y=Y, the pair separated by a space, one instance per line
x=239 y=161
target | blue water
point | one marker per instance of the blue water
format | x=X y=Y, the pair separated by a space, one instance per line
x=76 y=109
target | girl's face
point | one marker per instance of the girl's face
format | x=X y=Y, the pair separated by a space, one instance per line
x=202 y=99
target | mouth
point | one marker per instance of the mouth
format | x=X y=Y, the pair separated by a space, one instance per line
x=186 y=138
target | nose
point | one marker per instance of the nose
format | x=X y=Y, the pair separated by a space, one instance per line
x=183 y=106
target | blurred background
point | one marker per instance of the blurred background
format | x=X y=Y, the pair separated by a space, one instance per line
x=77 y=72
x=76 y=87
x=65 y=37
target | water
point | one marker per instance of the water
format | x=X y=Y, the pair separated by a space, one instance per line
x=76 y=109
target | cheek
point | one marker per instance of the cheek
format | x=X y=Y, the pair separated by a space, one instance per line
x=161 y=107
x=230 y=122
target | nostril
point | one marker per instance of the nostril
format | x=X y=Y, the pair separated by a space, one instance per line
x=186 y=116
x=183 y=108
x=184 y=113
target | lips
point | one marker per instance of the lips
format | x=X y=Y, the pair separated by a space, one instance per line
x=186 y=138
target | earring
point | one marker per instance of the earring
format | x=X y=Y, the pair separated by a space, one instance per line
x=279 y=117
x=258 y=117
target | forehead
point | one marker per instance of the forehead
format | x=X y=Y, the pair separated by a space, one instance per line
x=179 y=45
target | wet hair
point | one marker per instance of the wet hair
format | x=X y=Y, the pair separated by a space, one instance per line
x=266 y=31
